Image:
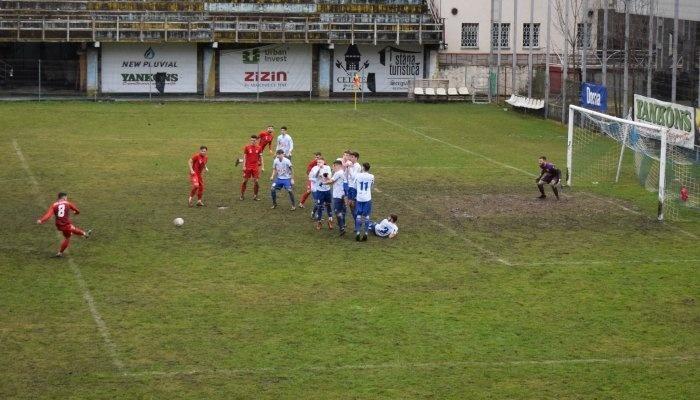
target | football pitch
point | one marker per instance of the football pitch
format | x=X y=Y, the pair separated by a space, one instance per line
x=486 y=292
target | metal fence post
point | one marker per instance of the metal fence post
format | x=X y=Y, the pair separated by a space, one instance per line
x=650 y=45
x=546 y=62
x=674 y=66
x=626 y=72
x=565 y=71
x=40 y=79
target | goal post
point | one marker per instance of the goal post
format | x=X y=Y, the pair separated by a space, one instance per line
x=596 y=146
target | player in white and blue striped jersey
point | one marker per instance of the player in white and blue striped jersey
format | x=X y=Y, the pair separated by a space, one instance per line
x=364 y=181
x=339 y=181
x=282 y=178
x=387 y=228
x=319 y=175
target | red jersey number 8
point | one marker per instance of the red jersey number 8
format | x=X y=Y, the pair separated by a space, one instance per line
x=61 y=210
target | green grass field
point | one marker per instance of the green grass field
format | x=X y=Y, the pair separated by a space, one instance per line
x=486 y=292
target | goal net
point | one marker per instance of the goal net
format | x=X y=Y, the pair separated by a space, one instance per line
x=606 y=152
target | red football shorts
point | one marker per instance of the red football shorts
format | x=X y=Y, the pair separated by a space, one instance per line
x=196 y=180
x=66 y=230
x=251 y=173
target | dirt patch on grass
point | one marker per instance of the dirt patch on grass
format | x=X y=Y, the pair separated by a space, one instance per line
x=475 y=206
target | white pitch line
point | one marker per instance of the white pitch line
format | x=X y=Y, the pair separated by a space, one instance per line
x=417 y=132
x=421 y=365
x=449 y=229
x=87 y=296
x=474 y=153
x=603 y=262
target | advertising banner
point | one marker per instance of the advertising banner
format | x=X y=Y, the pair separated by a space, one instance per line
x=131 y=68
x=387 y=69
x=272 y=68
x=677 y=118
x=594 y=97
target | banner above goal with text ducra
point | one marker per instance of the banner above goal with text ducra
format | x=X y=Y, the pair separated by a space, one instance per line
x=387 y=69
x=273 y=68
x=130 y=68
x=679 y=119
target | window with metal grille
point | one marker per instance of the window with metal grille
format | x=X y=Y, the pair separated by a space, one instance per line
x=535 y=36
x=505 y=36
x=470 y=35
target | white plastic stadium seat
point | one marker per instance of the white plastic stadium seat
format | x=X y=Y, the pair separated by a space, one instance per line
x=511 y=100
x=429 y=91
x=463 y=91
x=418 y=91
x=441 y=92
x=452 y=92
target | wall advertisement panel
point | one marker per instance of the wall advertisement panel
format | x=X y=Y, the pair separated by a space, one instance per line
x=382 y=69
x=130 y=67
x=271 y=68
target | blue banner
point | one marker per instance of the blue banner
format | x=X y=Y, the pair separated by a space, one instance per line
x=594 y=97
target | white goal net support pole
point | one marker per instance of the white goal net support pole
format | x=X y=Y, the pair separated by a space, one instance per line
x=595 y=157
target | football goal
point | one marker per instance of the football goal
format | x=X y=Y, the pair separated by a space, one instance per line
x=605 y=151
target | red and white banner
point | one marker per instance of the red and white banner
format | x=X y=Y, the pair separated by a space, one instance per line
x=272 y=68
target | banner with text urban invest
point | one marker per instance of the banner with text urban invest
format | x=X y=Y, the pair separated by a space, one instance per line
x=129 y=68
x=272 y=68
x=679 y=119
x=383 y=69
x=594 y=97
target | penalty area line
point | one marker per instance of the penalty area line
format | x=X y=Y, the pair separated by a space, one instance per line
x=418 y=365
x=474 y=153
x=87 y=295
x=452 y=231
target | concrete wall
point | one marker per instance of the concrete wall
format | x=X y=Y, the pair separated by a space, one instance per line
x=477 y=76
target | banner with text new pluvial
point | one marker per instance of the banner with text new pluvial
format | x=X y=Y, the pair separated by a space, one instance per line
x=271 y=68
x=132 y=68
x=383 y=69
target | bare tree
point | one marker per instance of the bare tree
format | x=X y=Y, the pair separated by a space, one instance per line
x=575 y=16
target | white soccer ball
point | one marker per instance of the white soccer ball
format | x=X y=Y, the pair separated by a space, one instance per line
x=178 y=221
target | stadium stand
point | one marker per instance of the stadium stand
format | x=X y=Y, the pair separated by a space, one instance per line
x=75 y=40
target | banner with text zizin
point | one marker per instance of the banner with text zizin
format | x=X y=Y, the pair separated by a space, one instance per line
x=130 y=68
x=272 y=68
x=677 y=118
x=383 y=69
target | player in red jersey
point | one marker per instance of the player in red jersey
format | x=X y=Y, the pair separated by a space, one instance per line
x=61 y=210
x=309 y=167
x=198 y=165
x=266 y=137
x=252 y=163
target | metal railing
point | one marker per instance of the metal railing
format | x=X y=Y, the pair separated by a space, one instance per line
x=6 y=70
x=243 y=29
